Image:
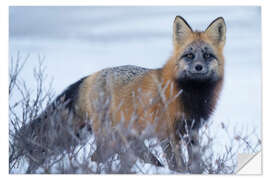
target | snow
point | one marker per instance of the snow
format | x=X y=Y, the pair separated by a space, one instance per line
x=88 y=39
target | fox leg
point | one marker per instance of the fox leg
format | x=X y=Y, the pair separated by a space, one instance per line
x=194 y=154
x=171 y=148
x=141 y=151
x=104 y=150
x=170 y=156
x=136 y=149
x=131 y=149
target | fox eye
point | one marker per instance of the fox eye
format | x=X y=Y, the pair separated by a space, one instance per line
x=207 y=55
x=190 y=55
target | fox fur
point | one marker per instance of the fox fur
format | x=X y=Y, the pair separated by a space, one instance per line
x=196 y=102
x=182 y=92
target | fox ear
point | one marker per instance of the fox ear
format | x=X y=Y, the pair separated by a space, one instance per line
x=216 y=31
x=181 y=30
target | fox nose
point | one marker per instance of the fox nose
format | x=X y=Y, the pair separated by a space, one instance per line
x=198 y=67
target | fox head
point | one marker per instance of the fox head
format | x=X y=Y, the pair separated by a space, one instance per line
x=198 y=55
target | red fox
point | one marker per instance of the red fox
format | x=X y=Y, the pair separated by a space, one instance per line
x=182 y=93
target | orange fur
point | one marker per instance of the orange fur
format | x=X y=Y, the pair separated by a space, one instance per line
x=144 y=96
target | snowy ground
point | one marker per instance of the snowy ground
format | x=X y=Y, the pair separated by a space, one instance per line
x=78 y=41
